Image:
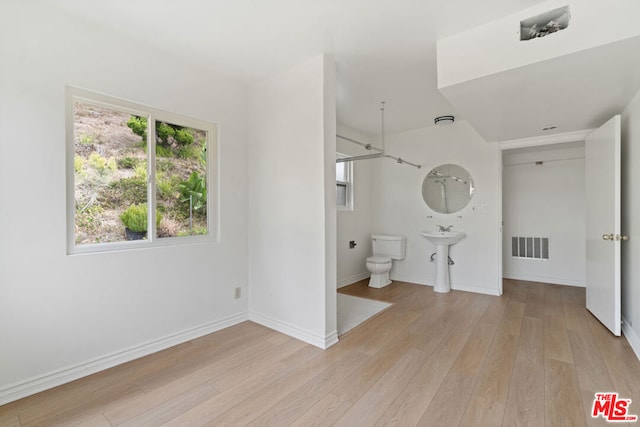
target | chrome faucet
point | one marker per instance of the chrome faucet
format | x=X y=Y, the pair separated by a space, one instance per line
x=443 y=228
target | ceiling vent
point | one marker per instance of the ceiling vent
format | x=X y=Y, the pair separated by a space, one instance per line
x=545 y=23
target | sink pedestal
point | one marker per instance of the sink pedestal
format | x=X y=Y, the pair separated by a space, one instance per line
x=442 y=240
x=442 y=269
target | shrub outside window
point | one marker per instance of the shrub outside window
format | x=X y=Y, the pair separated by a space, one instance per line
x=136 y=176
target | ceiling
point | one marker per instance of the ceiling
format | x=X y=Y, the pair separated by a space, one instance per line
x=385 y=50
x=569 y=93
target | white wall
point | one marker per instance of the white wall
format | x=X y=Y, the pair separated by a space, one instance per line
x=398 y=207
x=496 y=47
x=545 y=200
x=64 y=316
x=631 y=223
x=355 y=224
x=292 y=251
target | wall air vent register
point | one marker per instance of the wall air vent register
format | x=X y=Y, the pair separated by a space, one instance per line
x=530 y=247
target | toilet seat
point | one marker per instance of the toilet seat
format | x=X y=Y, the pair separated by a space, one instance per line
x=379 y=260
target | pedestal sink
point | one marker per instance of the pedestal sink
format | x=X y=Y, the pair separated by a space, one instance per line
x=442 y=240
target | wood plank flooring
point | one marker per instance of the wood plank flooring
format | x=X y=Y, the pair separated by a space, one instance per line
x=534 y=357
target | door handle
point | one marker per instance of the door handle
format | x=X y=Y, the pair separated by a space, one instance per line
x=621 y=237
x=607 y=237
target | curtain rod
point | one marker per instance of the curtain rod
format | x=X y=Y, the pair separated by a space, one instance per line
x=403 y=161
x=363 y=144
x=375 y=156
x=363 y=157
x=380 y=153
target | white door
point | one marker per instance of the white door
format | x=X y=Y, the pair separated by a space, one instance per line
x=602 y=181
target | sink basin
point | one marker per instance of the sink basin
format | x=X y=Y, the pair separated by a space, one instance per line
x=442 y=240
x=443 y=237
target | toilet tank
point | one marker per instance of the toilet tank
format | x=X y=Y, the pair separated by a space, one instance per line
x=389 y=246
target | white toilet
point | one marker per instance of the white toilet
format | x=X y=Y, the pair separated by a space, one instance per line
x=385 y=250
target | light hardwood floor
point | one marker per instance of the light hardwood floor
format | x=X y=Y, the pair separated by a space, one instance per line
x=532 y=357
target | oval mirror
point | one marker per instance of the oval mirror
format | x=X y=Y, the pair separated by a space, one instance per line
x=447 y=188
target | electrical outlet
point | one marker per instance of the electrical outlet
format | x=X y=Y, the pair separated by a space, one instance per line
x=238 y=293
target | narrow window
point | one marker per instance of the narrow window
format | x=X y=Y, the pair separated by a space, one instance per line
x=137 y=175
x=344 y=184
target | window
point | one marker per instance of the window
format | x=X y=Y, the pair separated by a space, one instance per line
x=344 y=184
x=136 y=175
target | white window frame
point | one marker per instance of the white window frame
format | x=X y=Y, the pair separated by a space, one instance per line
x=152 y=114
x=348 y=184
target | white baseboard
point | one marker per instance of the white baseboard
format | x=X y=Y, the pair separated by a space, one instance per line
x=294 y=331
x=409 y=279
x=631 y=336
x=454 y=286
x=544 y=279
x=476 y=290
x=63 y=376
x=352 y=279
x=331 y=339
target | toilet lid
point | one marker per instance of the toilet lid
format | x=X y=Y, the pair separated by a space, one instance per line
x=379 y=259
